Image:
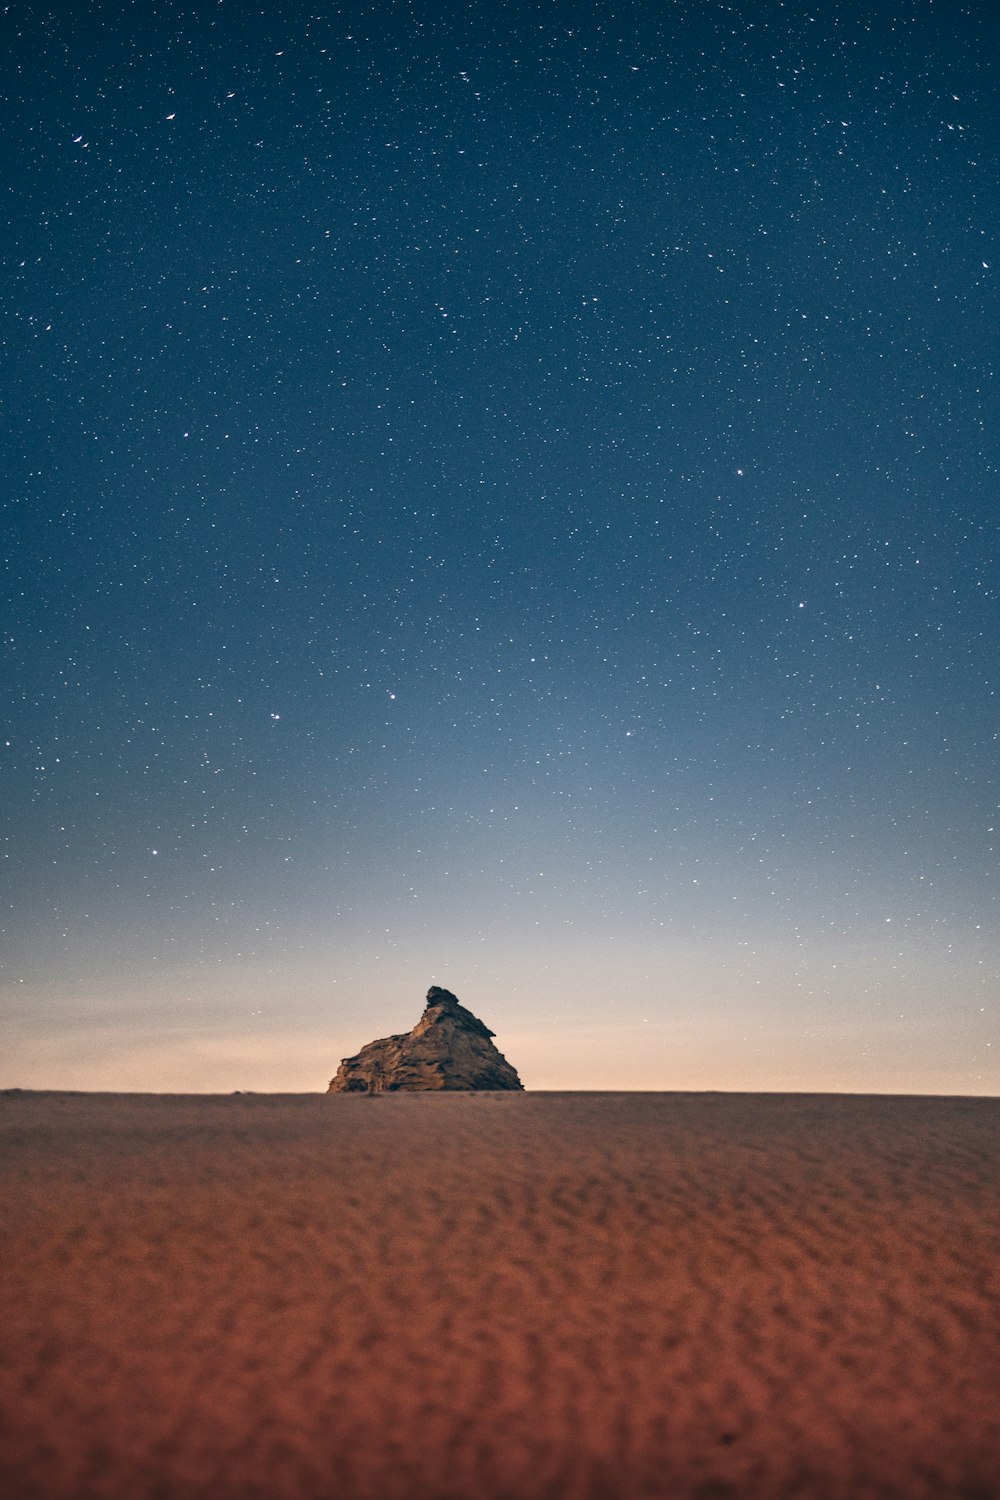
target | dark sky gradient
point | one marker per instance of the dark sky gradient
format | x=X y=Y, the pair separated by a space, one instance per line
x=507 y=500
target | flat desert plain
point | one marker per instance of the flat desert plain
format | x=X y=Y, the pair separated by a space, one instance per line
x=499 y=1297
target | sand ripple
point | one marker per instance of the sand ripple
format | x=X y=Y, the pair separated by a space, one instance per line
x=499 y=1297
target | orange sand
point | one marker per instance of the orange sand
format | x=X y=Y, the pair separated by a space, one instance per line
x=499 y=1297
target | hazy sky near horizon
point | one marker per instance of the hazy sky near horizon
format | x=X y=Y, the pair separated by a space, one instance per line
x=504 y=499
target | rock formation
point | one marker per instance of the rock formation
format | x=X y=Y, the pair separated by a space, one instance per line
x=449 y=1048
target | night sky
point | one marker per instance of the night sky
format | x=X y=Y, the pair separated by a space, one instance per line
x=505 y=499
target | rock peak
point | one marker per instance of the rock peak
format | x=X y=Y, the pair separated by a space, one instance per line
x=437 y=996
x=448 y=1048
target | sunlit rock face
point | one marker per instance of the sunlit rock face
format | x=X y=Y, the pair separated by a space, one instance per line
x=449 y=1048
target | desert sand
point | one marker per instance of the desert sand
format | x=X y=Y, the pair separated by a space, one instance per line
x=499 y=1297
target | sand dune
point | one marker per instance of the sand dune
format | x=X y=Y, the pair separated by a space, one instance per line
x=499 y=1297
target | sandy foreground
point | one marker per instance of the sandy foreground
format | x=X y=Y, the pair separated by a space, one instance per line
x=469 y=1297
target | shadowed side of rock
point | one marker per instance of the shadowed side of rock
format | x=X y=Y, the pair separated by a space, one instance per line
x=449 y=1048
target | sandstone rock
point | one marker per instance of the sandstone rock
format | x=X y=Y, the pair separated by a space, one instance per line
x=449 y=1048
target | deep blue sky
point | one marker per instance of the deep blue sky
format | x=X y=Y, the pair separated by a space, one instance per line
x=507 y=500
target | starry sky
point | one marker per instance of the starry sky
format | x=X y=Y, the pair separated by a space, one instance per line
x=506 y=499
